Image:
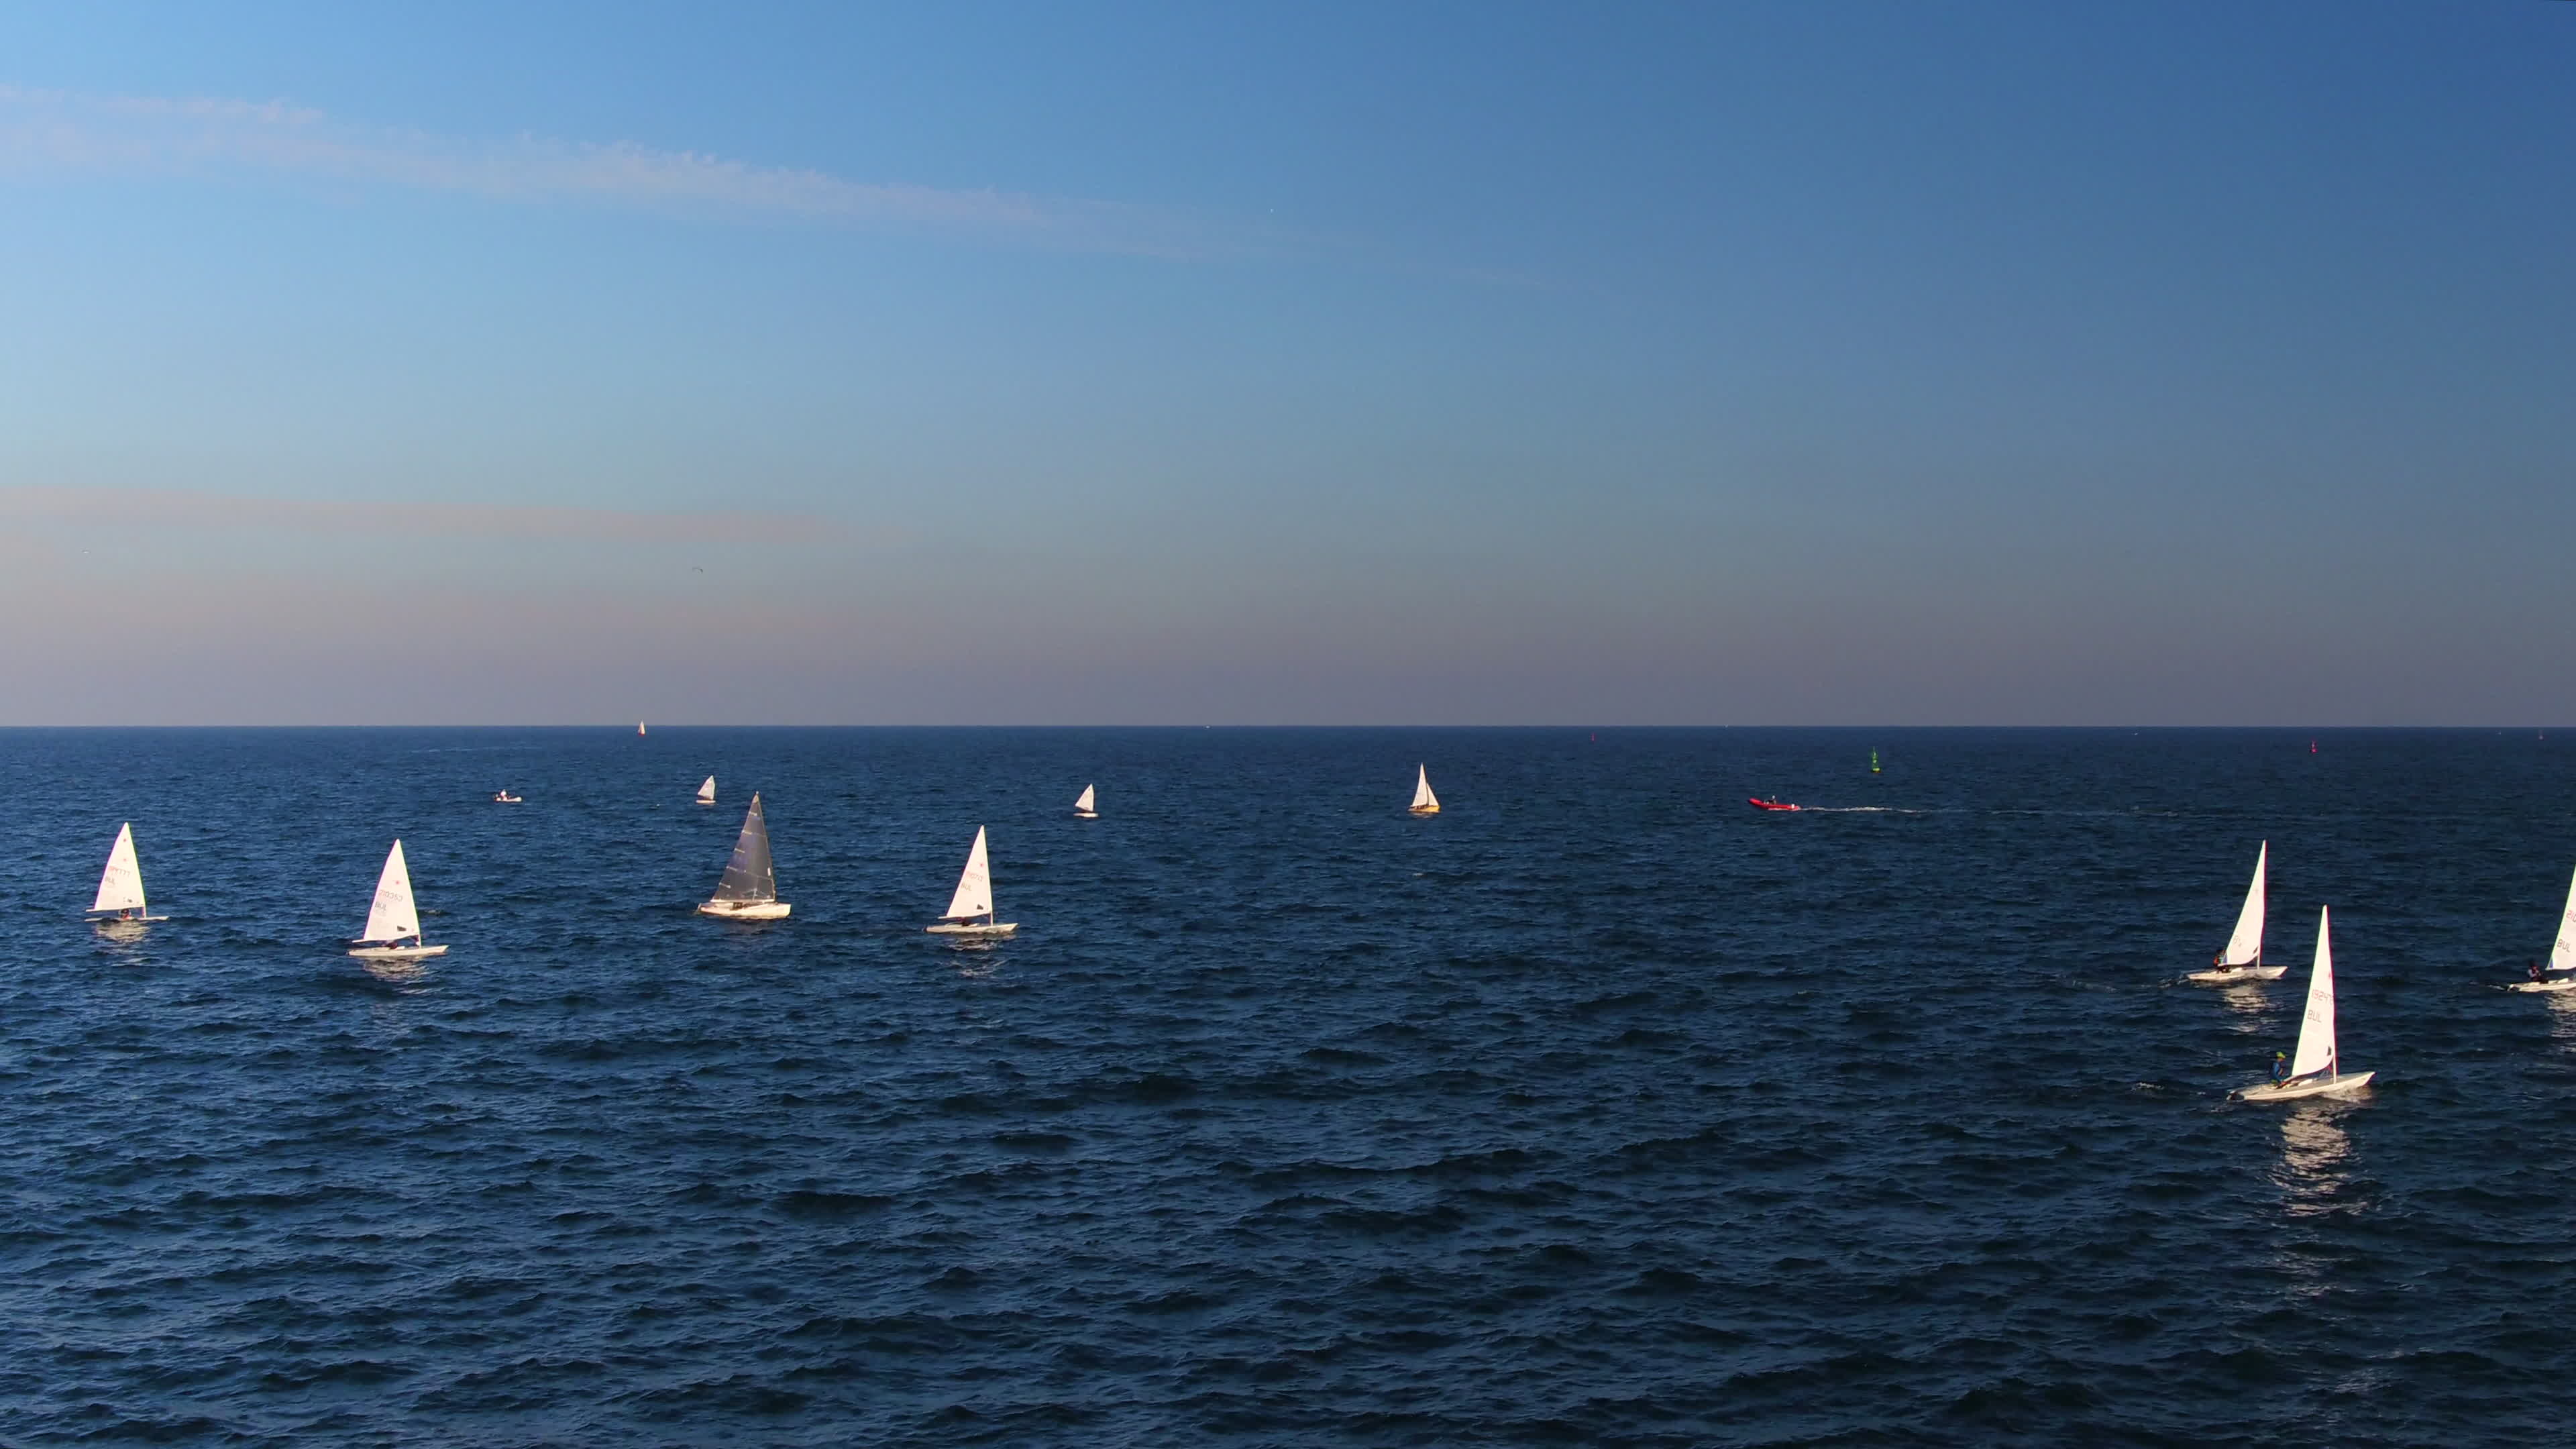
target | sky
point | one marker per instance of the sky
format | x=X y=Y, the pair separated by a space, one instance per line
x=1827 y=362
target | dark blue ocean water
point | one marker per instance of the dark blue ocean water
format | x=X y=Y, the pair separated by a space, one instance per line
x=1598 y=1109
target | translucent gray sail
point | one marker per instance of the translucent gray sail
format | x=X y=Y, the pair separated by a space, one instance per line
x=748 y=876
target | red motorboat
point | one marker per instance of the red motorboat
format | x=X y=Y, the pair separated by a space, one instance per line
x=1773 y=803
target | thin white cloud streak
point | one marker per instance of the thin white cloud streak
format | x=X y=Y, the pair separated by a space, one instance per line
x=166 y=508
x=66 y=132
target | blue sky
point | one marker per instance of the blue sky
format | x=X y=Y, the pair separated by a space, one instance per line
x=1779 y=363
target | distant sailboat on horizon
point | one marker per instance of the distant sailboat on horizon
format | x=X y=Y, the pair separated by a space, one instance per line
x=707 y=791
x=1083 y=806
x=639 y=727
x=393 y=917
x=2315 y=1069
x=748 y=890
x=974 y=898
x=120 y=886
x=1424 y=802
x=2242 y=958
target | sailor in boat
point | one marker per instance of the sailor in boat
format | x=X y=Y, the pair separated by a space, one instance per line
x=2535 y=971
x=2281 y=1071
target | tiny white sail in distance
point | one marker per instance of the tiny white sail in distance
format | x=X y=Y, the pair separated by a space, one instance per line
x=393 y=918
x=2315 y=1067
x=974 y=898
x=1083 y=806
x=748 y=890
x=1424 y=802
x=707 y=791
x=2243 y=958
x=120 y=886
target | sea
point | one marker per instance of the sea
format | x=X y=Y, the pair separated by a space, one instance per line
x=1600 y=1108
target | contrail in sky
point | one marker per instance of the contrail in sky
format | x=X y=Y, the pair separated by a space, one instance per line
x=66 y=132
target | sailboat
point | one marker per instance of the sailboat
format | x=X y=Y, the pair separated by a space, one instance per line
x=707 y=791
x=120 y=886
x=392 y=918
x=974 y=898
x=749 y=889
x=2243 y=959
x=1082 y=806
x=2559 y=976
x=2315 y=1070
x=639 y=727
x=1424 y=802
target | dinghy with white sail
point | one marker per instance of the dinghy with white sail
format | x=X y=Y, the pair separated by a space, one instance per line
x=2315 y=1069
x=393 y=918
x=1424 y=802
x=120 y=886
x=974 y=899
x=707 y=791
x=1083 y=805
x=2560 y=973
x=749 y=889
x=2243 y=958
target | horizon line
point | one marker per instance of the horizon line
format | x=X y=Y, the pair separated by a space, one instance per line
x=2317 y=729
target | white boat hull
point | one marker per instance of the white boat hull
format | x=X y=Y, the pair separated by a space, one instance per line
x=2563 y=983
x=2310 y=1087
x=2238 y=975
x=970 y=928
x=1086 y=815
x=744 y=910
x=396 y=953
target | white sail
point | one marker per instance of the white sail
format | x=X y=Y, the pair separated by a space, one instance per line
x=2316 y=1051
x=2246 y=946
x=2562 y=956
x=1084 y=804
x=975 y=888
x=392 y=916
x=120 y=886
x=1423 y=799
x=707 y=791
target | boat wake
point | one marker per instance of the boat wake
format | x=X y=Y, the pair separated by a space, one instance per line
x=1857 y=810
